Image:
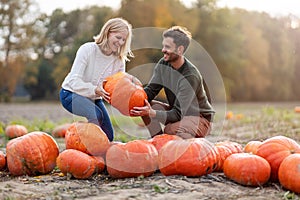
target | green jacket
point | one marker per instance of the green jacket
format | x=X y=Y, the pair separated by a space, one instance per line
x=184 y=90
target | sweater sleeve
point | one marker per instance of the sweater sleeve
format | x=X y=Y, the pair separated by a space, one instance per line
x=74 y=81
x=155 y=85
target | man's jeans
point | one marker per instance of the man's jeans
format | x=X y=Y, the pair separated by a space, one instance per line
x=93 y=110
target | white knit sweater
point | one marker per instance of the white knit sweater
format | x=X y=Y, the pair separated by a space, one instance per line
x=89 y=69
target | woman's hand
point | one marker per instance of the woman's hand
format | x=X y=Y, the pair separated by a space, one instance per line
x=100 y=92
x=143 y=111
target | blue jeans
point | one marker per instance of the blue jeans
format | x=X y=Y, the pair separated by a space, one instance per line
x=93 y=110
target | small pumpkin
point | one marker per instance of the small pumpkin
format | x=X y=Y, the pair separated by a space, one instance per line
x=289 y=173
x=132 y=159
x=80 y=165
x=60 y=131
x=15 y=130
x=190 y=157
x=100 y=163
x=225 y=149
x=32 y=154
x=247 y=169
x=2 y=161
x=160 y=140
x=126 y=92
x=229 y=115
x=252 y=146
x=275 y=150
x=88 y=138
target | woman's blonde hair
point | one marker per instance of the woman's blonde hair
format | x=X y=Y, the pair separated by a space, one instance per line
x=116 y=25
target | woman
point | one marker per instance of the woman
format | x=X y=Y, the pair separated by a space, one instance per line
x=82 y=92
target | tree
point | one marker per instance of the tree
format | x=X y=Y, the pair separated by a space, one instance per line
x=39 y=81
x=253 y=80
x=17 y=19
x=281 y=58
x=218 y=31
x=294 y=34
x=18 y=34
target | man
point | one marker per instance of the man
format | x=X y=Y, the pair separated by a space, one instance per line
x=188 y=113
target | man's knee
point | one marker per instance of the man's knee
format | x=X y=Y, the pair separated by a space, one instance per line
x=189 y=127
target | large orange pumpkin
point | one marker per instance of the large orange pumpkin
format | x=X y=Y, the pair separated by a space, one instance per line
x=160 y=140
x=190 y=157
x=275 y=150
x=289 y=173
x=2 y=161
x=78 y=164
x=252 y=146
x=87 y=137
x=247 y=169
x=132 y=159
x=225 y=149
x=32 y=154
x=126 y=92
x=15 y=130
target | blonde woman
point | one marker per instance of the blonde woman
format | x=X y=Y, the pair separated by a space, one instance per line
x=82 y=92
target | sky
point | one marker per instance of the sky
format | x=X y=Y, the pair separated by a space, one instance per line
x=273 y=7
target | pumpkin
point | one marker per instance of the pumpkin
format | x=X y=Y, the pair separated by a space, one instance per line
x=252 y=146
x=160 y=140
x=229 y=115
x=289 y=173
x=247 y=169
x=132 y=159
x=225 y=149
x=60 y=131
x=80 y=165
x=100 y=163
x=189 y=157
x=126 y=92
x=32 y=154
x=275 y=150
x=88 y=138
x=239 y=116
x=297 y=109
x=15 y=130
x=2 y=161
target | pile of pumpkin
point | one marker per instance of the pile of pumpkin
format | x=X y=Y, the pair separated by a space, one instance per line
x=89 y=151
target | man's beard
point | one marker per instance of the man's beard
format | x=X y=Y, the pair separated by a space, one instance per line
x=172 y=57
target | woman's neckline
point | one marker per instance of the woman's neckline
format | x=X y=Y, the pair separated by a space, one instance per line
x=103 y=53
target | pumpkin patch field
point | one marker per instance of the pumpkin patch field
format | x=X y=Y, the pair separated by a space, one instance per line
x=253 y=152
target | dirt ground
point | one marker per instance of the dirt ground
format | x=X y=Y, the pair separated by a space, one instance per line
x=102 y=186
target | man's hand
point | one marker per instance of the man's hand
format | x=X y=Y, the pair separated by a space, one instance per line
x=143 y=111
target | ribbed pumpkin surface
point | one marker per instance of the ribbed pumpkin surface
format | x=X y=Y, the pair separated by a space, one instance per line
x=32 y=154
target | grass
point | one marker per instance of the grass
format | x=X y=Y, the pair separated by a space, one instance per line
x=262 y=122
x=47 y=126
x=249 y=122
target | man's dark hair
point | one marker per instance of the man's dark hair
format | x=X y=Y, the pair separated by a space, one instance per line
x=180 y=35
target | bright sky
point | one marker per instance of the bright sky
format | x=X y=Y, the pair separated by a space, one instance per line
x=274 y=7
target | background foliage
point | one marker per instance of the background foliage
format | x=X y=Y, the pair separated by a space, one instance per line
x=256 y=54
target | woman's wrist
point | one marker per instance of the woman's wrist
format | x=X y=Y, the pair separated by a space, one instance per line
x=152 y=113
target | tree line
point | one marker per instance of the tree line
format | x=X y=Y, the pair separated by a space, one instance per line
x=256 y=54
